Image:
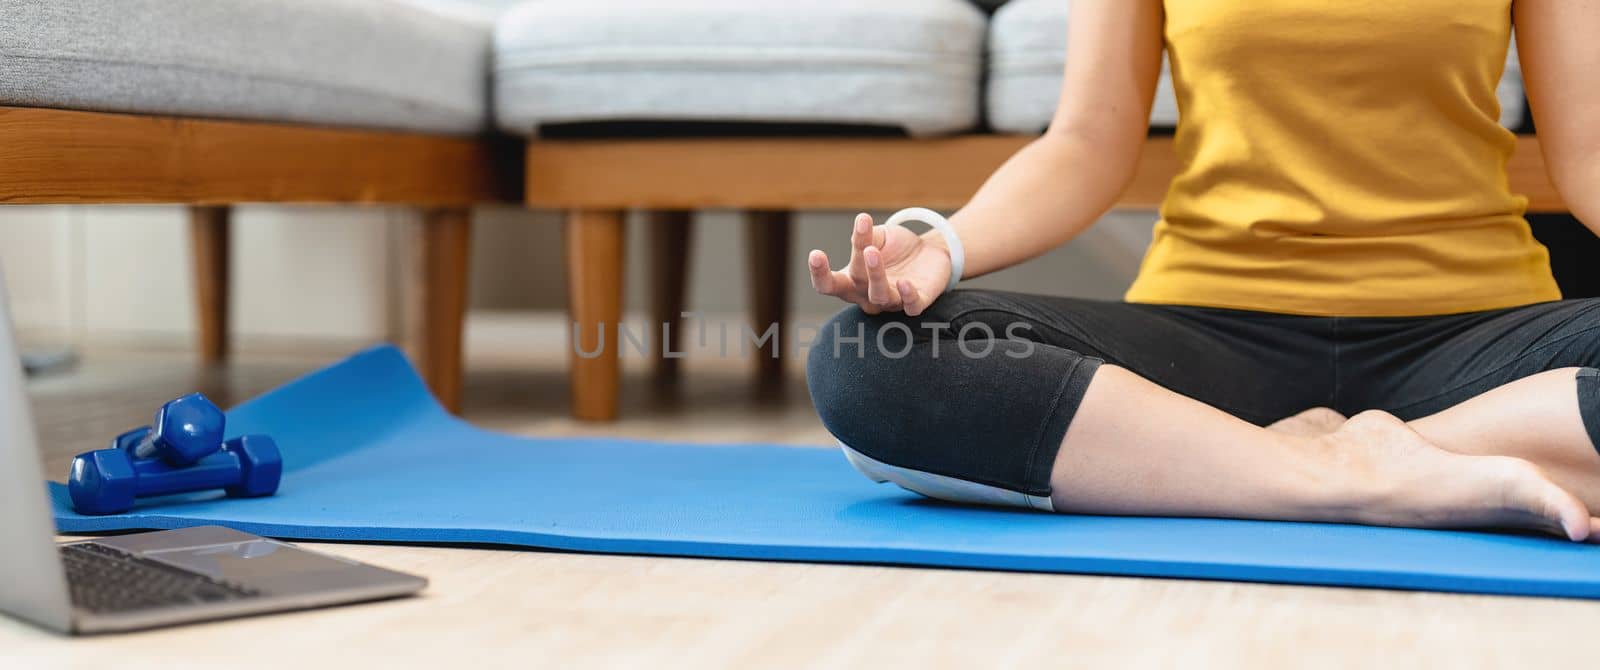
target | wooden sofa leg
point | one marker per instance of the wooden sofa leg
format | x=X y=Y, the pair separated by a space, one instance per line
x=595 y=254
x=769 y=287
x=439 y=312
x=670 y=232
x=209 y=244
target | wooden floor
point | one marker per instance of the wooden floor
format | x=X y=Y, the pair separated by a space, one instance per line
x=510 y=608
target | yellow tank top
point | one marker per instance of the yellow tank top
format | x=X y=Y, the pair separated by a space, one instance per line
x=1341 y=158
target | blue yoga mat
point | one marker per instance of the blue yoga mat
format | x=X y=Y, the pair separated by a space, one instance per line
x=369 y=456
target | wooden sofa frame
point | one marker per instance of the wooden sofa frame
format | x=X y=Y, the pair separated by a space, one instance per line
x=597 y=180
x=52 y=156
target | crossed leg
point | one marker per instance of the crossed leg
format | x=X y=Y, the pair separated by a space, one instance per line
x=1503 y=384
x=1372 y=469
x=1536 y=419
x=1134 y=446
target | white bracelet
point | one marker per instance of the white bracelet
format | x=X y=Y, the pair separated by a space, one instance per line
x=958 y=254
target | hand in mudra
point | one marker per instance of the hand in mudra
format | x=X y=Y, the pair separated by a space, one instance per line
x=891 y=269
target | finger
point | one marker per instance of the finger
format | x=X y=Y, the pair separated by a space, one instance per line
x=910 y=299
x=1567 y=513
x=860 y=239
x=878 y=286
x=828 y=282
x=821 y=276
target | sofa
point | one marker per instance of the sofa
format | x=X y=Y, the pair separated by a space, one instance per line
x=222 y=102
x=594 y=108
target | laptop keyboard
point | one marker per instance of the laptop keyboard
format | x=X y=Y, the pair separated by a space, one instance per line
x=104 y=580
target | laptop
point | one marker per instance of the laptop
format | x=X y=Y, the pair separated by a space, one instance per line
x=145 y=580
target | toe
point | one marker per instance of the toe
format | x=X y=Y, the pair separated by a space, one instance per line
x=1561 y=512
x=1575 y=521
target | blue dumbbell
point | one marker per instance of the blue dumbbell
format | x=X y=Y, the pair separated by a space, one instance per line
x=107 y=481
x=184 y=431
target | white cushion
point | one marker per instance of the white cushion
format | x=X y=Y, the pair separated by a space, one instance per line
x=913 y=64
x=1513 y=103
x=1027 y=51
x=367 y=63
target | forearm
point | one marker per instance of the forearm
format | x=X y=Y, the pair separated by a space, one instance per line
x=1560 y=57
x=1041 y=197
x=1579 y=186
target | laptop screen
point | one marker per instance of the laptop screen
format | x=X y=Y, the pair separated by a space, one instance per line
x=36 y=586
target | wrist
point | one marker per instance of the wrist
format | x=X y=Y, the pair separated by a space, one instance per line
x=936 y=242
x=943 y=237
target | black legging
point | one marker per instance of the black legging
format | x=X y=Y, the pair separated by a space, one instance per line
x=982 y=386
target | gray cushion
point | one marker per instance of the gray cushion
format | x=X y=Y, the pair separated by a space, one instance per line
x=914 y=64
x=1027 y=50
x=368 y=63
x=480 y=11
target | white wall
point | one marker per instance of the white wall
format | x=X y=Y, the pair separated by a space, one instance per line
x=36 y=254
x=122 y=273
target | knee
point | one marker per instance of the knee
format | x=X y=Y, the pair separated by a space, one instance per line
x=833 y=377
x=849 y=377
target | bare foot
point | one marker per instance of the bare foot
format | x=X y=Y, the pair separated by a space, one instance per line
x=1535 y=418
x=1411 y=482
x=1310 y=423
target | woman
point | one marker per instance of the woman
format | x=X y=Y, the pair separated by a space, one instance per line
x=1341 y=242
